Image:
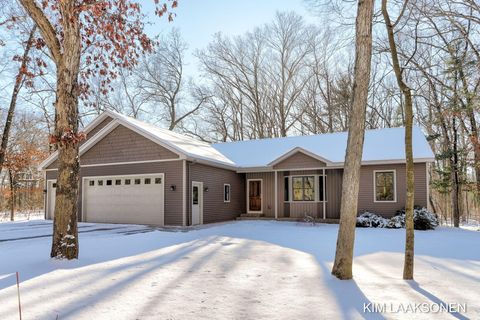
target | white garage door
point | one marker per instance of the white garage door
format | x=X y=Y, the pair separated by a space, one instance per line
x=124 y=199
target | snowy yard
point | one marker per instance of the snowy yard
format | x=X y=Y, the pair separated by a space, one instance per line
x=237 y=270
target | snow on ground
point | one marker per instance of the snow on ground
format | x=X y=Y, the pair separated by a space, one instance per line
x=21 y=216
x=237 y=270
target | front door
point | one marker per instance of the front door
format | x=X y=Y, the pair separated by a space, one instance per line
x=197 y=202
x=254 y=195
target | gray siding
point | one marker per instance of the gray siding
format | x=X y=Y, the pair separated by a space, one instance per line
x=268 y=191
x=90 y=134
x=388 y=209
x=214 y=209
x=299 y=160
x=173 y=176
x=124 y=145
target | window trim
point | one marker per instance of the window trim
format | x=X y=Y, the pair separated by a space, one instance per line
x=303 y=188
x=318 y=176
x=229 y=192
x=394 y=186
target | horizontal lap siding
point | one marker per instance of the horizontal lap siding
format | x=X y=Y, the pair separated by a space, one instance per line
x=173 y=176
x=388 y=209
x=299 y=160
x=268 y=191
x=214 y=208
x=125 y=145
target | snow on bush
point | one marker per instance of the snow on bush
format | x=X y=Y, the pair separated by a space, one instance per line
x=423 y=220
x=371 y=220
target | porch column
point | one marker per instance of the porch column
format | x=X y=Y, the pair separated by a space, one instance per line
x=276 y=195
x=324 y=199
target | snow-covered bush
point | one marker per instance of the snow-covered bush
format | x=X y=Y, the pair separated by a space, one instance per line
x=371 y=220
x=423 y=220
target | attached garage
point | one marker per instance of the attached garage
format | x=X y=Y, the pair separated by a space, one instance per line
x=137 y=199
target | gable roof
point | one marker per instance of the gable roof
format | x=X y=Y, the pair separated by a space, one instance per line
x=186 y=147
x=381 y=146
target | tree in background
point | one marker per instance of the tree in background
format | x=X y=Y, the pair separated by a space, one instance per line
x=408 y=106
x=107 y=35
x=342 y=267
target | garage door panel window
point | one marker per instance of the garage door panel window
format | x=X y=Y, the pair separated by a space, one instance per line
x=109 y=182
x=91 y=183
x=128 y=181
x=118 y=182
x=100 y=183
x=147 y=181
x=158 y=180
x=138 y=181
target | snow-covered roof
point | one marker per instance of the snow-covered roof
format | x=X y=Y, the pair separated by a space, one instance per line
x=185 y=145
x=381 y=145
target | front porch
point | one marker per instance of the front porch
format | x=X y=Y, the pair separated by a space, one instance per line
x=293 y=194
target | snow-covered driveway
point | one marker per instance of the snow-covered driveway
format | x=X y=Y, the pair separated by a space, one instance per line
x=238 y=270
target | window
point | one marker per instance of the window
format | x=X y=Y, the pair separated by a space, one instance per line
x=118 y=182
x=91 y=183
x=195 y=195
x=303 y=188
x=109 y=182
x=286 y=191
x=138 y=181
x=128 y=181
x=147 y=181
x=54 y=185
x=321 y=187
x=158 y=180
x=100 y=183
x=226 y=193
x=384 y=186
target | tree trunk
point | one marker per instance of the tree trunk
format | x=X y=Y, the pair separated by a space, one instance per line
x=65 y=234
x=406 y=91
x=342 y=267
x=19 y=80
x=455 y=180
x=12 y=195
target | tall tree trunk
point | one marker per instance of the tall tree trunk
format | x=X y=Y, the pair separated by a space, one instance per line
x=454 y=173
x=65 y=234
x=342 y=267
x=19 y=80
x=406 y=91
x=12 y=195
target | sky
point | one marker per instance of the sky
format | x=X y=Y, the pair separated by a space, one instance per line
x=199 y=20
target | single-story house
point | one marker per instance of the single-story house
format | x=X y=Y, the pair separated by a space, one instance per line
x=134 y=172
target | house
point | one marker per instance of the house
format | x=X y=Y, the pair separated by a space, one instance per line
x=134 y=172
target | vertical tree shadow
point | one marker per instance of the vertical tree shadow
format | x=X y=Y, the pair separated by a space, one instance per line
x=349 y=296
x=415 y=286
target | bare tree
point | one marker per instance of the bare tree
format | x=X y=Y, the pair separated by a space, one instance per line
x=342 y=267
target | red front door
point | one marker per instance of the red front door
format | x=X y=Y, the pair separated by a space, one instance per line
x=254 y=195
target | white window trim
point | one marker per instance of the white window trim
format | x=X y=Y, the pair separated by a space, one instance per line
x=248 y=195
x=229 y=192
x=290 y=188
x=394 y=186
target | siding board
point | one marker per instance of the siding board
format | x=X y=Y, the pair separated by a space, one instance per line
x=299 y=160
x=214 y=208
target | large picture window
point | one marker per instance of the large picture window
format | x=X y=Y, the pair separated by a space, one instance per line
x=303 y=188
x=384 y=186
